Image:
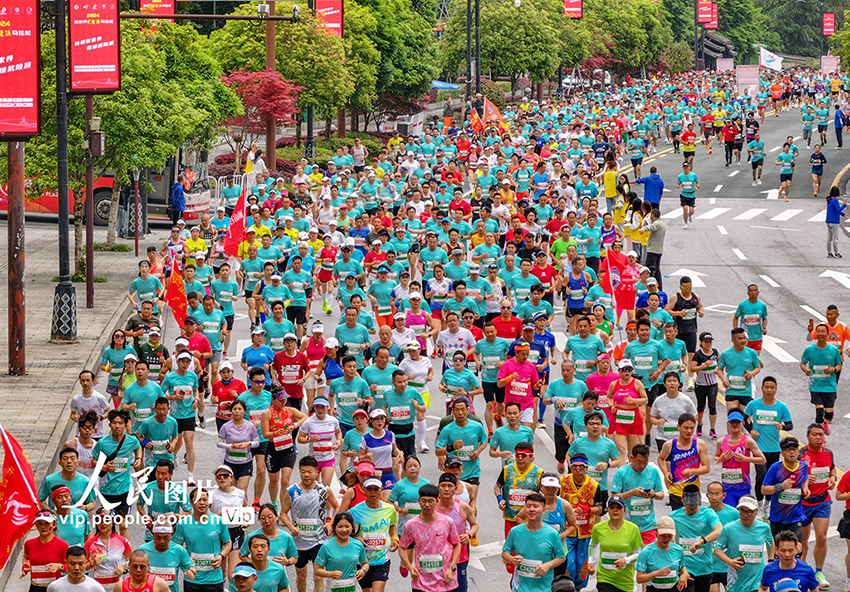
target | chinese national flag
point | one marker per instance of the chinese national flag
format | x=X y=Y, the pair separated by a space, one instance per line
x=236 y=229
x=18 y=501
x=476 y=122
x=618 y=281
x=175 y=297
x=491 y=112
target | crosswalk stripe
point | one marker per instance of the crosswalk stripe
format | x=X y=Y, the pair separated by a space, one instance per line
x=672 y=214
x=713 y=213
x=722 y=230
x=739 y=254
x=718 y=188
x=750 y=214
x=786 y=215
x=819 y=217
x=813 y=312
x=769 y=281
x=733 y=173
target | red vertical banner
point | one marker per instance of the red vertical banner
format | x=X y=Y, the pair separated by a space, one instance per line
x=828 y=24
x=714 y=22
x=20 y=74
x=156 y=7
x=573 y=8
x=704 y=11
x=18 y=501
x=331 y=13
x=94 y=47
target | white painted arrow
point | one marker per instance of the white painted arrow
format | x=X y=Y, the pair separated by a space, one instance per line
x=841 y=278
x=476 y=554
x=771 y=346
x=772 y=193
x=696 y=282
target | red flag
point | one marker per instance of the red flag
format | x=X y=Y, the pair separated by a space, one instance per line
x=491 y=112
x=477 y=126
x=236 y=229
x=18 y=501
x=617 y=280
x=175 y=296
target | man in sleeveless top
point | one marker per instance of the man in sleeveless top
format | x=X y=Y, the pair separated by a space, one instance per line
x=140 y=578
x=683 y=460
x=685 y=307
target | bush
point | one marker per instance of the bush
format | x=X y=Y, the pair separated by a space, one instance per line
x=493 y=92
x=454 y=94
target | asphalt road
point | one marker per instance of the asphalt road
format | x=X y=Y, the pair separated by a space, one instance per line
x=740 y=236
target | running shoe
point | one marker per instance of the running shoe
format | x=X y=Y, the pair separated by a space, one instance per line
x=561 y=468
x=712 y=433
x=202 y=421
x=821 y=579
x=424 y=447
x=690 y=384
x=257 y=507
x=826 y=431
x=699 y=430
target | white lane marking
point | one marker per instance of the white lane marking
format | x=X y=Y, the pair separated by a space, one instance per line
x=241 y=344
x=838 y=276
x=722 y=230
x=772 y=193
x=819 y=217
x=672 y=214
x=476 y=554
x=733 y=173
x=771 y=346
x=775 y=149
x=712 y=214
x=560 y=340
x=712 y=200
x=547 y=440
x=769 y=280
x=813 y=312
x=718 y=188
x=786 y=215
x=797 y=138
x=739 y=254
x=695 y=276
x=750 y=214
x=775 y=228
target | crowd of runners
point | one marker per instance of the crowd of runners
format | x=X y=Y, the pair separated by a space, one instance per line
x=450 y=259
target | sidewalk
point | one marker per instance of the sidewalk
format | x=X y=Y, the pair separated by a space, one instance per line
x=34 y=408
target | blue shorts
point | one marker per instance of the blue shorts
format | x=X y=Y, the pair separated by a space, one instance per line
x=733 y=495
x=821 y=510
x=388 y=479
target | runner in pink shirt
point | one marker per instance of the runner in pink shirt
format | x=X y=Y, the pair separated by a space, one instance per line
x=430 y=546
x=599 y=381
x=519 y=377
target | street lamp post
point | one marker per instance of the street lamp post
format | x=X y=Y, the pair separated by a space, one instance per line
x=821 y=22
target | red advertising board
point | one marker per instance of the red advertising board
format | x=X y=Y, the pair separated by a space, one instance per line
x=704 y=11
x=331 y=13
x=713 y=23
x=573 y=8
x=20 y=74
x=828 y=24
x=94 y=39
x=157 y=7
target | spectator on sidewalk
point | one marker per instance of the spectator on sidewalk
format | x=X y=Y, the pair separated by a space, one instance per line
x=653 y=187
x=177 y=200
x=834 y=212
x=655 y=244
x=839 y=126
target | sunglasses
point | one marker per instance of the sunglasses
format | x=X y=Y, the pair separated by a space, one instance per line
x=263 y=381
x=222 y=476
x=522 y=454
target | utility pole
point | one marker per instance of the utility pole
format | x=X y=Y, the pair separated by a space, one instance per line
x=271 y=124
x=64 y=323
x=89 y=207
x=468 y=48
x=478 y=46
x=310 y=142
x=15 y=234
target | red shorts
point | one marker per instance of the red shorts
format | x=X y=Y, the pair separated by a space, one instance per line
x=325 y=275
x=649 y=536
x=437 y=314
x=756 y=345
x=521 y=195
x=633 y=428
x=509 y=526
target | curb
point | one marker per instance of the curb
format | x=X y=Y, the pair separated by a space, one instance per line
x=63 y=430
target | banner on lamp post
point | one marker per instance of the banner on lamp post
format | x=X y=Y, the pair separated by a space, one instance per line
x=155 y=7
x=828 y=24
x=20 y=74
x=704 y=11
x=714 y=22
x=94 y=41
x=573 y=8
x=331 y=13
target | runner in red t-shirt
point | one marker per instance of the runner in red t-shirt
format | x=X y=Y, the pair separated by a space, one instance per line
x=291 y=367
x=507 y=325
x=546 y=274
x=224 y=392
x=44 y=556
x=818 y=504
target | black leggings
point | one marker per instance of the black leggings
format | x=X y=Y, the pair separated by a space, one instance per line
x=761 y=471
x=729 y=148
x=706 y=393
x=561 y=443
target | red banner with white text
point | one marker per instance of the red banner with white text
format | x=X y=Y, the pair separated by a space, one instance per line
x=331 y=13
x=20 y=75
x=94 y=40
x=573 y=8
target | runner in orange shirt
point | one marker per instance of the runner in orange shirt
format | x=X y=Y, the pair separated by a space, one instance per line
x=839 y=333
x=776 y=90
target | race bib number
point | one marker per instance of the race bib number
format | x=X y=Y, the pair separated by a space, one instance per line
x=639 y=506
x=413 y=508
x=686 y=545
x=159 y=446
x=141 y=414
x=594 y=474
x=690 y=314
x=203 y=561
x=169 y=574
x=576 y=294
x=374 y=540
x=418 y=329
x=400 y=413
x=643 y=363
x=431 y=564
x=625 y=416
x=752 y=319
x=519 y=389
x=307 y=524
x=582 y=365
x=120 y=463
x=528 y=567
x=42 y=576
x=751 y=553
x=766 y=417
x=491 y=361
x=664 y=582
x=670 y=429
x=819 y=371
x=346 y=399
x=790 y=497
x=238 y=456
x=463 y=452
x=737 y=382
x=346 y=585
x=516 y=497
x=283 y=442
x=732 y=476
x=608 y=559
x=384 y=310
x=352 y=349
x=820 y=474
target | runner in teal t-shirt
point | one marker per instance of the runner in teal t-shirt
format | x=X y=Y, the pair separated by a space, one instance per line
x=640 y=485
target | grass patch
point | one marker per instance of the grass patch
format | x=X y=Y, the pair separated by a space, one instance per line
x=116 y=248
x=79 y=278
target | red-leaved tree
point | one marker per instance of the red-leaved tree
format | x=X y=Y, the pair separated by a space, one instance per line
x=264 y=94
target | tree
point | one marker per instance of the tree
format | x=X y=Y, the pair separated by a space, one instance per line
x=744 y=24
x=678 y=56
x=265 y=94
x=361 y=54
x=638 y=29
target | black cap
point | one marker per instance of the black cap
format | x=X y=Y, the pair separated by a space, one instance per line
x=191 y=319
x=151 y=249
